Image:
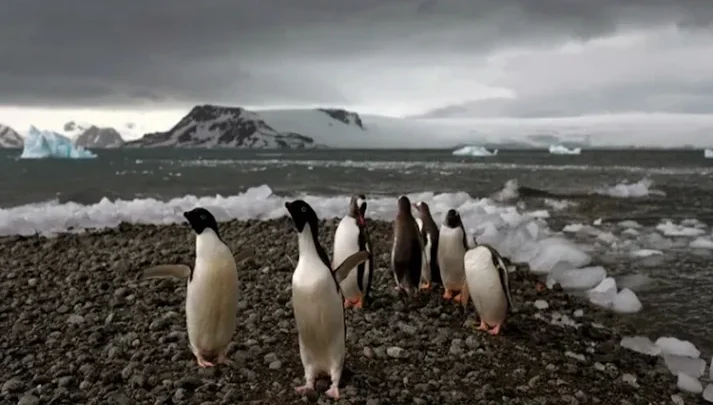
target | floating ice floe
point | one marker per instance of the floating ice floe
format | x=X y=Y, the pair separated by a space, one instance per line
x=676 y=347
x=708 y=153
x=604 y=293
x=576 y=279
x=670 y=229
x=640 y=344
x=475 y=151
x=642 y=188
x=47 y=144
x=688 y=384
x=701 y=243
x=646 y=252
x=692 y=367
x=626 y=302
x=563 y=150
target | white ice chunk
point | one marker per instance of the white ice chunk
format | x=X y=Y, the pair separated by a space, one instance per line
x=555 y=249
x=708 y=392
x=40 y=144
x=701 y=243
x=541 y=304
x=572 y=228
x=604 y=293
x=578 y=279
x=639 y=189
x=607 y=238
x=689 y=384
x=668 y=228
x=475 y=151
x=630 y=224
x=640 y=344
x=626 y=302
x=563 y=150
x=656 y=241
x=686 y=365
x=646 y=252
x=693 y=222
x=677 y=347
x=630 y=232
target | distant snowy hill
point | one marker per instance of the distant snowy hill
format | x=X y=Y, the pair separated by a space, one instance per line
x=210 y=126
x=9 y=138
x=99 y=138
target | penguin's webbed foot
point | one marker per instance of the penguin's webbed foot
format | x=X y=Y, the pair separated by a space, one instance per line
x=425 y=285
x=483 y=326
x=347 y=303
x=458 y=298
x=304 y=389
x=333 y=392
x=495 y=331
x=359 y=303
x=448 y=294
x=203 y=363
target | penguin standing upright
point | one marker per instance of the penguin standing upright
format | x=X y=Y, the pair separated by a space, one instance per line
x=452 y=245
x=486 y=282
x=212 y=292
x=431 y=273
x=407 y=253
x=351 y=237
x=317 y=302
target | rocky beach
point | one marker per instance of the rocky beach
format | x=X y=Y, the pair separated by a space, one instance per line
x=80 y=329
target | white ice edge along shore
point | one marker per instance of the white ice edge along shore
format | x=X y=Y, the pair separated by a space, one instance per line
x=521 y=236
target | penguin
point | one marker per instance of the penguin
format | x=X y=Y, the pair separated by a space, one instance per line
x=486 y=282
x=431 y=272
x=407 y=252
x=317 y=301
x=452 y=245
x=212 y=289
x=350 y=237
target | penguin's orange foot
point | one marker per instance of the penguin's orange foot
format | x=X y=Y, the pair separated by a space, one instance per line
x=425 y=286
x=448 y=294
x=333 y=392
x=347 y=303
x=495 y=331
x=203 y=363
x=304 y=389
x=458 y=298
x=359 y=303
x=540 y=286
x=483 y=326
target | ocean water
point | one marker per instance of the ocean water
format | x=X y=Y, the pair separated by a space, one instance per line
x=668 y=193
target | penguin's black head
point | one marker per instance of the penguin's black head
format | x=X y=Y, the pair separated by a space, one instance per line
x=357 y=208
x=452 y=219
x=302 y=214
x=423 y=209
x=404 y=205
x=201 y=219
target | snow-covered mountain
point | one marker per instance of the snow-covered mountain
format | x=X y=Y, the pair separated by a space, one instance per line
x=9 y=138
x=99 y=138
x=210 y=126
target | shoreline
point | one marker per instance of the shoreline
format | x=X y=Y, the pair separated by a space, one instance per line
x=82 y=329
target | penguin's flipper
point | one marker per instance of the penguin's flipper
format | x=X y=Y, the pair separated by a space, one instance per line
x=244 y=254
x=342 y=271
x=166 y=270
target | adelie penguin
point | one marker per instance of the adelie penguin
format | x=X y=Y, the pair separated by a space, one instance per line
x=317 y=302
x=430 y=272
x=407 y=252
x=486 y=282
x=212 y=292
x=452 y=245
x=351 y=237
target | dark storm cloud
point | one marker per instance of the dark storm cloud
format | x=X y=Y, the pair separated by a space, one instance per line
x=121 y=52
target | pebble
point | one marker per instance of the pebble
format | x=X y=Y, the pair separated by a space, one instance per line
x=28 y=400
x=396 y=352
x=541 y=304
x=275 y=365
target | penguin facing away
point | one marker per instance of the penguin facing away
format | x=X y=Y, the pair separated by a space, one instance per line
x=431 y=272
x=317 y=302
x=407 y=252
x=351 y=237
x=487 y=284
x=452 y=245
x=212 y=289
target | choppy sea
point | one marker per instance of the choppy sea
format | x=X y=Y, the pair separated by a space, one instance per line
x=646 y=216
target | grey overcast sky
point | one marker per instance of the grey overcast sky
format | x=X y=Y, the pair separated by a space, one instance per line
x=472 y=57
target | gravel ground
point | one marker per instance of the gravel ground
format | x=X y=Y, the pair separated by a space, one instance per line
x=79 y=329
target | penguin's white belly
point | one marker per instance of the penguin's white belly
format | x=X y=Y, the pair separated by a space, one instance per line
x=346 y=243
x=211 y=304
x=426 y=260
x=484 y=286
x=319 y=316
x=450 y=257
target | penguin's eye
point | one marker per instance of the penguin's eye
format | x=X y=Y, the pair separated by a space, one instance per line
x=203 y=217
x=304 y=209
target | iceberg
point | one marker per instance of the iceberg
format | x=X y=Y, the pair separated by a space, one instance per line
x=473 y=150
x=46 y=144
x=708 y=153
x=562 y=150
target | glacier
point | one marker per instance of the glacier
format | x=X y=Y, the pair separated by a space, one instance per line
x=474 y=151
x=47 y=144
